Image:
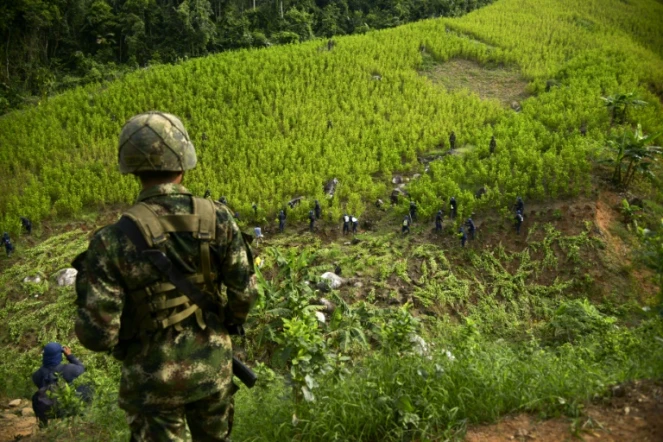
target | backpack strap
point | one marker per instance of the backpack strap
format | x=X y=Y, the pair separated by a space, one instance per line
x=205 y=211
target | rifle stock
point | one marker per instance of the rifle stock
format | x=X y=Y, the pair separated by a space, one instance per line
x=244 y=373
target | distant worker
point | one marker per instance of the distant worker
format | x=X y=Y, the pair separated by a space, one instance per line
x=9 y=247
x=520 y=205
x=355 y=225
x=208 y=193
x=493 y=145
x=27 y=224
x=311 y=218
x=223 y=200
x=438 y=222
x=519 y=221
x=236 y=215
x=453 y=206
x=471 y=228
x=413 y=210
x=406 y=225
x=379 y=203
x=394 y=197
x=452 y=140
x=254 y=206
x=281 y=221
x=346 y=223
x=257 y=232
x=462 y=236
x=318 y=210
x=583 y=129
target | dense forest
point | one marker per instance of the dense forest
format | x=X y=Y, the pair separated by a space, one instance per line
x=50 y=45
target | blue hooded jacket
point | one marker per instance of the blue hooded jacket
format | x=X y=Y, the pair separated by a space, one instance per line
x=52 y=363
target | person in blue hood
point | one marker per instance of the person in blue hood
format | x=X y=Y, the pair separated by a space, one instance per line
x=51 y=370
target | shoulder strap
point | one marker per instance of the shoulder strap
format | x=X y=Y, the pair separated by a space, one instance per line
x=206 y=212
x=147 y=223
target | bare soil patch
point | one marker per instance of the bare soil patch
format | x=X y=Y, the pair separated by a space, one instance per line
x=503 y=83
x=633 y=416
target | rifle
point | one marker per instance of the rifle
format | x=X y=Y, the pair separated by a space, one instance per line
x=244 y=373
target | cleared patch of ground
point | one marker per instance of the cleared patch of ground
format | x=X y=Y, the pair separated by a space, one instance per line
x=633 y=414
x=503 y=83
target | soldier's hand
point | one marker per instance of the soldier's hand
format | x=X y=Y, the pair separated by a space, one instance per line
x=66 y=350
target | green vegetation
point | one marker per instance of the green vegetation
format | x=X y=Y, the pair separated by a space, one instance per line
x=424 y=338
x=51 y=45
x=260 y=118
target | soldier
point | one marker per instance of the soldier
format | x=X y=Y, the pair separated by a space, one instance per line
x=438 y=221
x=223 y=200
x=413 y=210
x=406 y=225
x=519 y=221
x=453 y=205
x=493 y=144
x=471 y=228
x=311 y=217
x=394 y=197
x=318 y=210
x=208 y=193
x=346 y=223
x=9 y=247
x=27 y=224
x=355 y=224
x=149 y=290
x=281 y=221
x=452 y=140
x=520 y=205
x=462 y=236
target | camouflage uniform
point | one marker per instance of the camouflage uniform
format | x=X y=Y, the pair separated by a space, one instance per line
x=182 y=371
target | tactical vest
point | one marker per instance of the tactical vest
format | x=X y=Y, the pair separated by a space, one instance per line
x=156 y=308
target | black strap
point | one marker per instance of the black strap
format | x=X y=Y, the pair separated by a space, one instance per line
x=165 y=266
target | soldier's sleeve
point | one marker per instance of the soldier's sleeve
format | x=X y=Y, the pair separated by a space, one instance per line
x=100 y=297
x=237 y=273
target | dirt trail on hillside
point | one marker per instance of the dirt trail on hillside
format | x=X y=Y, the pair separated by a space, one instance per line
x=634 y=413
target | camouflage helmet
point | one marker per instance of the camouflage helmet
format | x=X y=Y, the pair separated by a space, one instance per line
x=155 y=141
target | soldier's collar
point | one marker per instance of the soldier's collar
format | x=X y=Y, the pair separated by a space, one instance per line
x=163 y=189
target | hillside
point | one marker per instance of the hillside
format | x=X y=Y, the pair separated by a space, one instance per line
x=278 y=123
x=425 y=340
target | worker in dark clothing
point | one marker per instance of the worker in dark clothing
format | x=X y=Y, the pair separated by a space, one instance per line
x=520 y=205
x=493 y=145
x=281 y=221
x=438 y=222
x=254 y=206
x=318 y=210
x=355 y=224
x=394 y=198
x=519 y=221
x=311 y=218
x=413 y=210
x=9 y=247
x=471 y=228
x=453 y=206
x=208 y=193
x=406 y=224
x=53 y=369
x=223 y=200
x=462 y=236
x=379 y=203
x=27 y=224
x=452 y=140
x=346 y=223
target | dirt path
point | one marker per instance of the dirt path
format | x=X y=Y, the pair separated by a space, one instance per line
x=634 y=413
x=17 y=421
